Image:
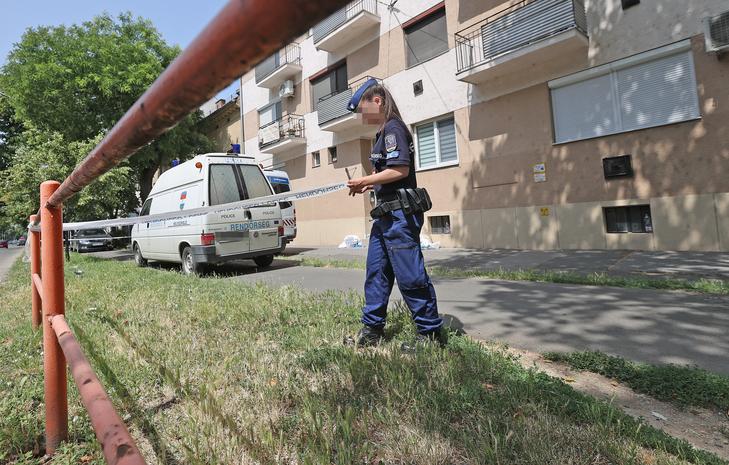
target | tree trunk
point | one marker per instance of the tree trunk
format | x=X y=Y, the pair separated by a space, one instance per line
x=145 y=181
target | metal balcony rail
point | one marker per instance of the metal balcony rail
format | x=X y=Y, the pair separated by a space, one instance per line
x=230 y=45
x=283 y=128
x=343 y=15
x=514 y=27
x=334 y=105
x=290 y=54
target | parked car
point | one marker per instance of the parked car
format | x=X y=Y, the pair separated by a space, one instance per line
x=3 y=244
x=210 y=179
x=89 y=240
x=21 y=241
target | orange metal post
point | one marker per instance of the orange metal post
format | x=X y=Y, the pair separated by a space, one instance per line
x=35 y=264
x=54 y=363
x=117 y=444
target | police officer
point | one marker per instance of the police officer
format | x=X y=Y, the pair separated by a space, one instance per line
x=394 y=248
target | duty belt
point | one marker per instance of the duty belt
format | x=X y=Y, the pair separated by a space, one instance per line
x=383 y=208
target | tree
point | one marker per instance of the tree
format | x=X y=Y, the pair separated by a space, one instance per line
x=77 y=81
x=43 y=155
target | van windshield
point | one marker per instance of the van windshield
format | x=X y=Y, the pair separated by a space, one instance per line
x=92 y=232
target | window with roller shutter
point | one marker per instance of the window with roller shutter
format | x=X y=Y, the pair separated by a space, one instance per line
x=436 y=143
x=647 y=90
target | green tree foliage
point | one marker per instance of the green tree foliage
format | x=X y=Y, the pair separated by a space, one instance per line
x=43 y=155
x=72 y=83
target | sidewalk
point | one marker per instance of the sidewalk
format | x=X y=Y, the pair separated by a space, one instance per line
x=657 y=265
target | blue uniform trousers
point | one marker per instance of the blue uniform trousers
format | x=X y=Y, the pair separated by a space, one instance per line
x=394 y=254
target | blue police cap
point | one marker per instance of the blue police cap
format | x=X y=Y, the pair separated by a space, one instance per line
x=354 y=102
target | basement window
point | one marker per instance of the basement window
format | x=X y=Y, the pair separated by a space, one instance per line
x=631 y=219
x=440 y=224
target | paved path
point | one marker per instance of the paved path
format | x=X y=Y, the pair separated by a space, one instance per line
x=688 y=265
x=7 y=259
x=643 y=325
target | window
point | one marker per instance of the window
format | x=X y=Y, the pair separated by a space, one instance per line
x=231 y=183
x=315 y=161
x=628 y=3
x=145 y=208
x=332 y=82
x=633 y=219
x=223 y=185
x=646 y=90
x=332 y=155
x=436 y=143
x=269 y=114
x=280 y=188
x=440 y=224
x=426 y=38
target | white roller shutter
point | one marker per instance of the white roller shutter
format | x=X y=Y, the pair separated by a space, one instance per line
x=658 y=92
x=584 y=109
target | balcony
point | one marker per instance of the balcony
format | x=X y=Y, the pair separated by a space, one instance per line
x=341 y=28
x=282 y=135
x=533 y=31
x=334 y=116
x=280 y=66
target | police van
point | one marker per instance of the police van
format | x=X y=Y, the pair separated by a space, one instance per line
x=280 y=182
x=197 y=241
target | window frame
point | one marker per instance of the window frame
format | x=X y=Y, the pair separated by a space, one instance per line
x=316 y=159
x=425 y=16
x=273 y=103
x=438 y=164
x=611 y=69
x=447 y=224
x=332 y=153
x=625 y=210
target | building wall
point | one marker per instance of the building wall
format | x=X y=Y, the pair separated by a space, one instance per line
x=615 y=33
x=504 y=128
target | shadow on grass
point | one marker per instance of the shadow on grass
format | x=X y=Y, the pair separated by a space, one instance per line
x=138 y=415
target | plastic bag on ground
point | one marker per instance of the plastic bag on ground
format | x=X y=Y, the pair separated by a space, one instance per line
x=351 y=242
x=426 y=243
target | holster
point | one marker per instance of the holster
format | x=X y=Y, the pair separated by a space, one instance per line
x=408 y=200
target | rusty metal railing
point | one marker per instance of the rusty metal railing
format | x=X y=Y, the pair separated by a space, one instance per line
x=242 y=34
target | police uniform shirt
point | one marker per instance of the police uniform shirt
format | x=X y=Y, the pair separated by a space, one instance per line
x=394 y=147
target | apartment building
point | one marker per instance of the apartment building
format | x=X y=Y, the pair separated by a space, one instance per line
x=540 y=124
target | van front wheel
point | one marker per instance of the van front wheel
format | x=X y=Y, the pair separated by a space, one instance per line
x=189 y=264
x=264 y=261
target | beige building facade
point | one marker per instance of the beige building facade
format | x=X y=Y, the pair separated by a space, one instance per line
x=542 y=124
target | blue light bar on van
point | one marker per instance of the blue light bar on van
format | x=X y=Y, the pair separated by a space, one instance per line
x=276 y=180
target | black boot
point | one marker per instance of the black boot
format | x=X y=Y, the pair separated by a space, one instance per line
x=421 y=340
x=367 y=336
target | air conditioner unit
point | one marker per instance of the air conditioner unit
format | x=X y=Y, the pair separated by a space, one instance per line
x=286 y=89
x=716 y=33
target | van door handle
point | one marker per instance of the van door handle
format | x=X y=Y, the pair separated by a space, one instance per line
x=147 y=225
x=248 y=215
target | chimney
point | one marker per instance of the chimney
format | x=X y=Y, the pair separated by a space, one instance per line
x=219 y=103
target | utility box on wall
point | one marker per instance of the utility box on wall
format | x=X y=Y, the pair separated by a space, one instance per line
x=617 y=167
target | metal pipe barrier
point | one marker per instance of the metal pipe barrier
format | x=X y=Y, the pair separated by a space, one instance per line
x=242 y=34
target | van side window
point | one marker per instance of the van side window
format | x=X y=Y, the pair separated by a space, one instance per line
x=254 y=182
x=280 y=188
x=146 y=207
x=223 y=185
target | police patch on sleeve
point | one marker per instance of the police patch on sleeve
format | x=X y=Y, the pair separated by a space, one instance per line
x=390 y=142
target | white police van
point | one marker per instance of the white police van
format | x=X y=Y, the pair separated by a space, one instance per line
x=209 y=180
x=280 y=182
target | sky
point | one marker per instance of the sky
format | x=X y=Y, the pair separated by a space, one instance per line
x=178 y=21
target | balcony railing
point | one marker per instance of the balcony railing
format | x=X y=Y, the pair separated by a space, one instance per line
x=287 y=127
x=515 y=27
x=334 y=105
x=334 y=21
x=291 y=54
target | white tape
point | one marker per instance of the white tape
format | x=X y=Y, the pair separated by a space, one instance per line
x=250 y=203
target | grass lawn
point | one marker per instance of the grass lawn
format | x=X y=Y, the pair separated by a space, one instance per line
x=703 y=286
x=681 y=385
x=209 y=370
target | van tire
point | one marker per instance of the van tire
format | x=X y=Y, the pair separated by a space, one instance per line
x=264 y=261
x=138 y=258
x=189 y=264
